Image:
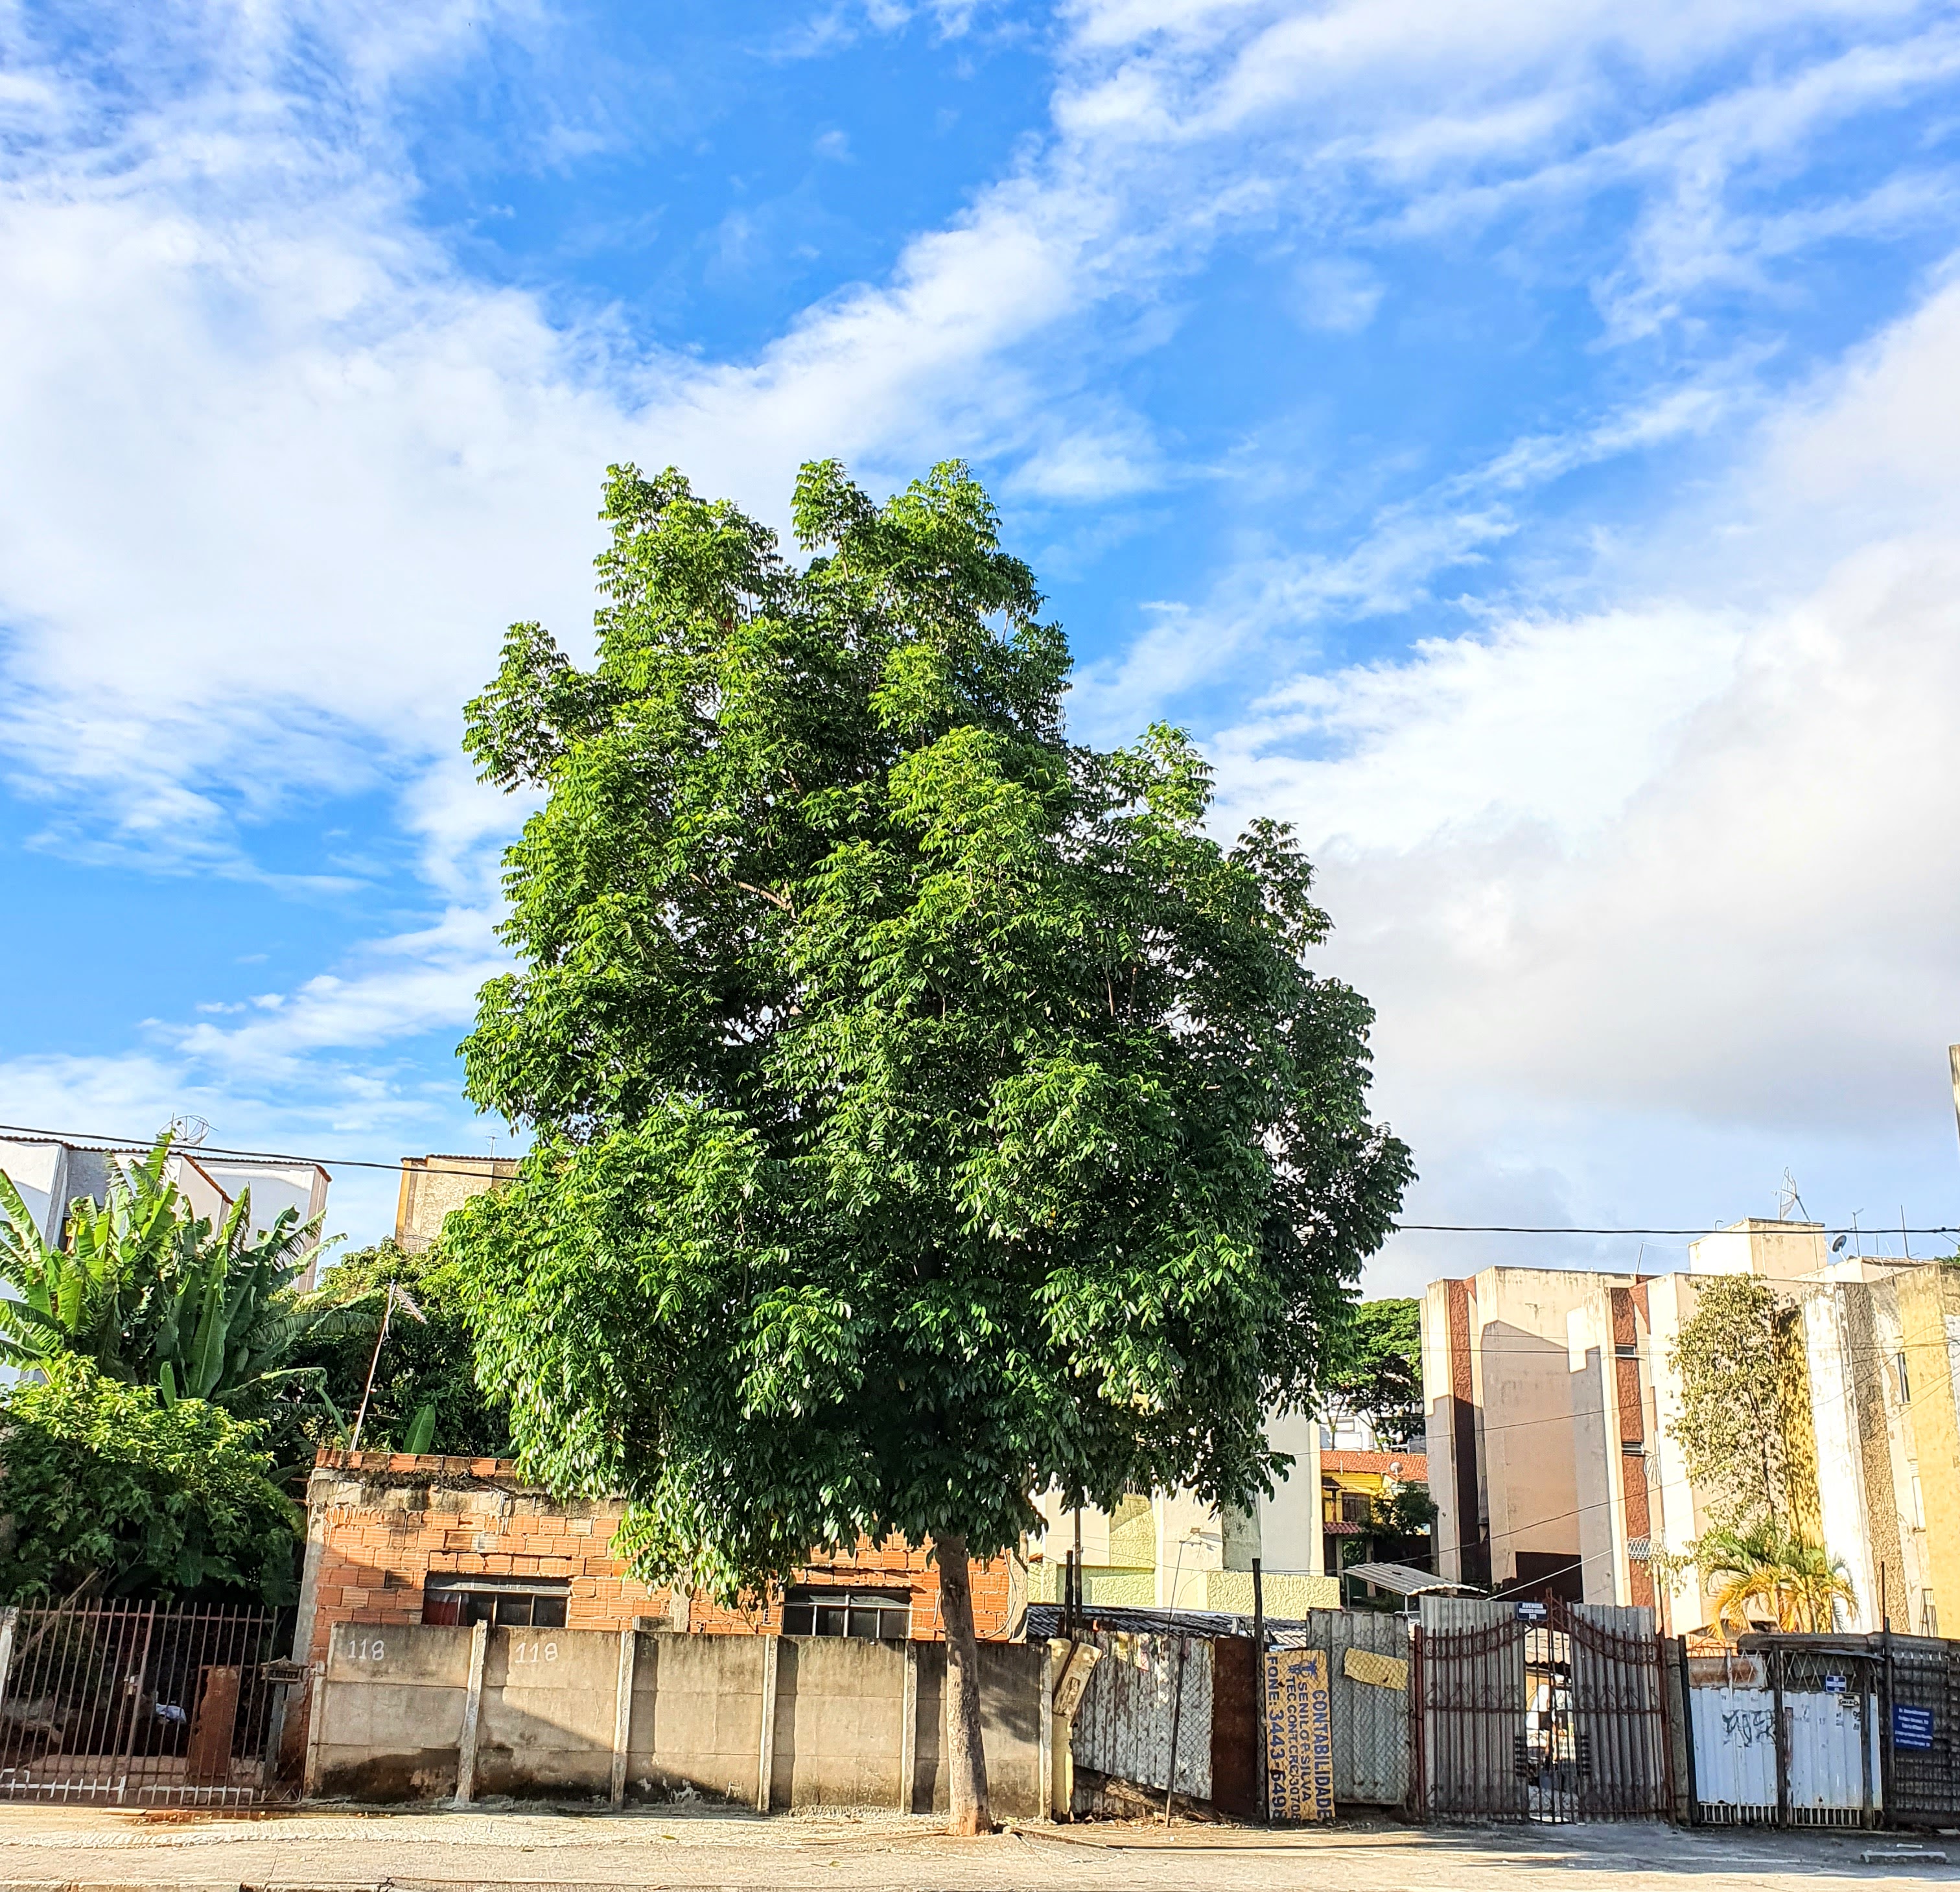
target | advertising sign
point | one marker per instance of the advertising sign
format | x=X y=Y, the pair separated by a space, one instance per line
x=1299 y=1735
x=1911 y=1727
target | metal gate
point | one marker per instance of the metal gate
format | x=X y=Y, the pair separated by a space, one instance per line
x=1543 y=1713
x=1921 y=1722
x=138 y=1704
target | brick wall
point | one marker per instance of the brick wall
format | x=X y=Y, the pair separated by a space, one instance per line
x=379 y=1523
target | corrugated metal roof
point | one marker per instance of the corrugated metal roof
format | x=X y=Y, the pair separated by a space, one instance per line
x=1404 y=1580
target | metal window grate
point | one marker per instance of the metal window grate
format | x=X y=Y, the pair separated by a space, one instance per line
x=872 y=1615
x=511 y=1604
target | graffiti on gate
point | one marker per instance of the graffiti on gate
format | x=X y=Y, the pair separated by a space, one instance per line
x=1748 y=1727
x=1299 y=1735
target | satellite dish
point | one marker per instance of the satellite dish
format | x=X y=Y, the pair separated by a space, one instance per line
x=188 y=1132
x=1839 y=1243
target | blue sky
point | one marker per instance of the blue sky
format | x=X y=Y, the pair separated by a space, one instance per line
x=1519 y=439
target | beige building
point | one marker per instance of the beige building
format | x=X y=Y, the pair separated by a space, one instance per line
x=1173 y=1551
x=1550 y=1404
x=433 y=1185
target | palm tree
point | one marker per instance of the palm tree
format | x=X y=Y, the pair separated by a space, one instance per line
x=1798 y=1583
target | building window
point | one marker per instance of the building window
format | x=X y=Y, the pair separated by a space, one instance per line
x=512 y=1603
x=1904 y=1379
x=1929 y=1617
x=1349 y=1507
x=874 y=1615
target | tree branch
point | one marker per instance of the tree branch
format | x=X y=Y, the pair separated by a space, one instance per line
x=766 y=895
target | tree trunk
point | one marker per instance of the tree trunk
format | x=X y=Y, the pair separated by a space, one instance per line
x=966 y=1760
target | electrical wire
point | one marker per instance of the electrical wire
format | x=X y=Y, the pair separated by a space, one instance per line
x=470 y=1166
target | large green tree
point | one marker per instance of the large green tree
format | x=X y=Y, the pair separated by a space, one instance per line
x=1744 y=1423
x=1376 y=1370
x=929 y=1111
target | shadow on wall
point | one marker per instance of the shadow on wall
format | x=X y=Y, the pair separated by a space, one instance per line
x=824 y=1720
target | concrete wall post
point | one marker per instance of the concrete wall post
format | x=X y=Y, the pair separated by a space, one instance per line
x=1046 y=1710
x=909 y=1733
x=622 y=1711
x=765 y=1763
x=473 y=1711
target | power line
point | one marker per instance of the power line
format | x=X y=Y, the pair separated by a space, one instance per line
x=1491 y=1228
x=468 y=1166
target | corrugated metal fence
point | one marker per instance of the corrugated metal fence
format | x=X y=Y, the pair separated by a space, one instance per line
x=1849 y=1731
x=1369 y=1701
x=1149 y=1700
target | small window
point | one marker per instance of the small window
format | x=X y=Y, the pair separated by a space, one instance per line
x=1929 y=1617
x=538 y=1604
x=1904 y=1379
x=871 y=1615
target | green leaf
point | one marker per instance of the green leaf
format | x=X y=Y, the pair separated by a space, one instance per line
x=421 y=1430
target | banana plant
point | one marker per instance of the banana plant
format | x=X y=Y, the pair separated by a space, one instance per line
x=152 y=1295
x=99 y=1292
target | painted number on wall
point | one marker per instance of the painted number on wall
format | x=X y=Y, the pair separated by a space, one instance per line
x=370 y=1648
x=533 y=1652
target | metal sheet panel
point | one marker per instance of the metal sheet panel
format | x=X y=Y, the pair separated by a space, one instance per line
x=1370 y=1723
x=1826 y=1735
x=1734 y=1748
x=1123 y=1726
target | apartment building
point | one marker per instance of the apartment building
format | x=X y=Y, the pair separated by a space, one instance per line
x=1551 y=1402
x=433 y=1185
x=1171 y=1550
x=50 y=1173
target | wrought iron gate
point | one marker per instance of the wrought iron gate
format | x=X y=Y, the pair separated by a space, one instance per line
x=1541 y=1713
x=139 y=1704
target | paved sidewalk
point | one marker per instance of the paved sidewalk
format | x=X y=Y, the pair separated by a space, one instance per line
x=681 y=1849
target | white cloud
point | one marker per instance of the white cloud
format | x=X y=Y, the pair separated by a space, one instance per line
x=279 y=471
x=1336 y=293
x=1681 y=876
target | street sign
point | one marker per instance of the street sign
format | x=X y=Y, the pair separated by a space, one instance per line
x=1911 y=1727
x=1836 y=1684
x=1531 y=1612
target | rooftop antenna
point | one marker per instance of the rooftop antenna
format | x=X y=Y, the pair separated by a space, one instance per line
x=189 y=1132
x=1857 y=1235
x=1905 y=1241
x=1788 y=1199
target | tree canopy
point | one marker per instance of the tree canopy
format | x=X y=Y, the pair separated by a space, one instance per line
x=929 y=1111
x=1743 y=1424
x=1376 y=1372
x=151 y=1293
x=428 y=1366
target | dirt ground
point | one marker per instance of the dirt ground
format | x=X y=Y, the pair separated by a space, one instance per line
x=76 y=1849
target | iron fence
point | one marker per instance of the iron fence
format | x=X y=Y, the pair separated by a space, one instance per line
x=1920 y=1719
x=138 y=1704
x=1843 y=1730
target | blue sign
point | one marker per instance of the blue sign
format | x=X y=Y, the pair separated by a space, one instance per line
x=1835 y=1684
x=1531 y=1612
x=1911 y=1727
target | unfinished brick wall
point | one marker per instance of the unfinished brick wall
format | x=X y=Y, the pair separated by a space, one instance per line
x=380 y=1523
